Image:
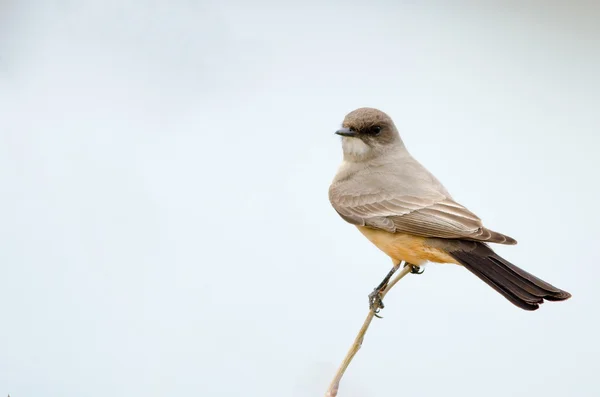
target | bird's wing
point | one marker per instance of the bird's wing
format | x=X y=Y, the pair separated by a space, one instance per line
x=417 y=205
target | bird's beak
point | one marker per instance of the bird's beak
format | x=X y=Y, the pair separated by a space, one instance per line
x=346 y=132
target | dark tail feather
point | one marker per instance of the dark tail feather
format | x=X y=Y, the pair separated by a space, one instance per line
x=515 y=284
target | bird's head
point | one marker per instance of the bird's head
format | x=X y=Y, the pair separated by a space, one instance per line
x=367 y=133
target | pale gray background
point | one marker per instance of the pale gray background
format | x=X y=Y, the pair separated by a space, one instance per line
x=164 y=221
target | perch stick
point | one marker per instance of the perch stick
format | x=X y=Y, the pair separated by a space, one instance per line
x=335 y=383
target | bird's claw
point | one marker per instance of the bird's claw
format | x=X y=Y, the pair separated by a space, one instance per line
x=414 y=269
x=375 y=302
x=375 y=297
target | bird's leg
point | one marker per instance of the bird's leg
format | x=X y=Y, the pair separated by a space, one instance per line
x=375 y=302
x=414 y=269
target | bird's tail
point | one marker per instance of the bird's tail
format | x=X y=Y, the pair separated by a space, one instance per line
x=515 y=284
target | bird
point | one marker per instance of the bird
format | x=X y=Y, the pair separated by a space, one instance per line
x=406 y=212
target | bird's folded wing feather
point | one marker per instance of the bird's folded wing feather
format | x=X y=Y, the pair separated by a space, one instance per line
x=426 y=212
x=426 y=217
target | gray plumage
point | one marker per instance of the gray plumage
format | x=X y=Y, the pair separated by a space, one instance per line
x=388 y=189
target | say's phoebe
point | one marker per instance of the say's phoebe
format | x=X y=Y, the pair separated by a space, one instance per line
x=408 y=214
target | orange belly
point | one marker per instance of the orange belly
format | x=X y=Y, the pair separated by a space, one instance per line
x=405 y=247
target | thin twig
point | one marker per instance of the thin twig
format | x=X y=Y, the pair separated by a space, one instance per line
x=335 y=383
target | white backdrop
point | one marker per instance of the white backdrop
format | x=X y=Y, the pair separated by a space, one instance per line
x=164 y=217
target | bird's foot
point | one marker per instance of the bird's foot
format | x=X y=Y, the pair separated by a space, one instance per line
x=375 y=302
x=414 y=269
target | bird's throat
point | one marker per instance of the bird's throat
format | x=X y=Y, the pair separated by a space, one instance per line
x=355 y=148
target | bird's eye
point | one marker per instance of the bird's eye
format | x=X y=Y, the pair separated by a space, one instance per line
x=375 y=130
